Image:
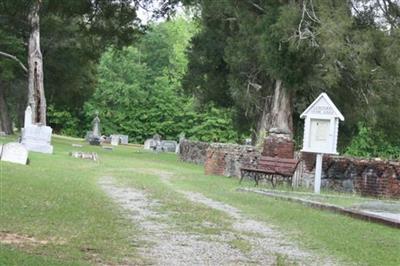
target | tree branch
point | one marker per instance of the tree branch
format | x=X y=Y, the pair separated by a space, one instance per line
x=15 y=59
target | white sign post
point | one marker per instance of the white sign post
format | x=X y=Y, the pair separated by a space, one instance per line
x=321 y=132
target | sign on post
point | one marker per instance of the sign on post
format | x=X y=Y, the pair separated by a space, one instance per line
x=321 y=130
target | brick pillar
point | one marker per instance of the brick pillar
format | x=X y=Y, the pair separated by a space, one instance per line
x=215 y=162
x=278 y=144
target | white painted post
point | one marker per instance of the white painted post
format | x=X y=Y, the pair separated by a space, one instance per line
x=318 y=173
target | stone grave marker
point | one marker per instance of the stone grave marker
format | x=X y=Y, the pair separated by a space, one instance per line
x=77 y=145
x=115 y=140
x=37 y=138
x=124 y=139
x=94 y=137
x=168 y=146
x=14 y=153
x=148 y=144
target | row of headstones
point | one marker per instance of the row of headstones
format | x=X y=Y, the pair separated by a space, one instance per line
x=114 y=140
x=156 y=144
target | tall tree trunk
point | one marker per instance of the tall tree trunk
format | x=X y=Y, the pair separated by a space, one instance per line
x=5 y=120
x=36 y=96
x=277 y=113
x=282 y=109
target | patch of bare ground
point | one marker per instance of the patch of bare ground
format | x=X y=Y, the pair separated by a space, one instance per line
x=20 y=240
x=167 y=246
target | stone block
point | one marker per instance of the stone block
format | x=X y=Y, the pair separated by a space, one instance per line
x=37 y=138
x=14 y=153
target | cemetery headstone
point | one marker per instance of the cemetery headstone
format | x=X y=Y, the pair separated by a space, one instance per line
x=321 y=129
x=124 y=139
x=36 y=138
x=94 y=138
x=147 y=144
x=85 y=155
x=182 y=137
x=115 y=140
x=168 y=146
x=15 y=153
x=77 y=145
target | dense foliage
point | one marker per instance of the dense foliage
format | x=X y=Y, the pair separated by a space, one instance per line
x=213 y=78
x=349 y=49
x=139 y=90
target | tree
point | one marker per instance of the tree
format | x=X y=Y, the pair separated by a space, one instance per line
x=36 y=96
x=84 y=29
x=272 y=58
x=139 y=90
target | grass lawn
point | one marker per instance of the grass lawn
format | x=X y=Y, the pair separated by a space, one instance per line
x=57 y=199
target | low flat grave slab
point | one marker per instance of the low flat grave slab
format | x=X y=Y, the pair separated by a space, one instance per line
x=14 y=153
x=77 y=145
x=85 y=155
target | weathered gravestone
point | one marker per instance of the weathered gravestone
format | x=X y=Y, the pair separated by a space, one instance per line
x=124 y=139
x=36 y=137
x=115 y=140
x=94 y=138
x=147 y=144
x=14 y=153
x=182 y=137
x=153 y=143
x=168 y=146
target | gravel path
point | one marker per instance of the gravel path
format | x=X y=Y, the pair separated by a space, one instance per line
x=167 y=246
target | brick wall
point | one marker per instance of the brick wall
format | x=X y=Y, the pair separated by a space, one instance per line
x=226 y=159
x=368 y=177
x=193 y=151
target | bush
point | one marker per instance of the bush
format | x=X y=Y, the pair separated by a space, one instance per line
x=63 y=122
x=372 y=143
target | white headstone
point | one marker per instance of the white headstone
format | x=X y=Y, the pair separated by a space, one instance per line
x=168 y=145
x=115 y=140
x=147 y=144
x=124 y=139
x=28 y=117
x=14 y=153
x=37 y=138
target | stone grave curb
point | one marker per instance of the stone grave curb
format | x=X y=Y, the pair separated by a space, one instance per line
x=328 y=207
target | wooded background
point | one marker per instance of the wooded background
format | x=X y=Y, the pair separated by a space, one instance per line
x=219 y=70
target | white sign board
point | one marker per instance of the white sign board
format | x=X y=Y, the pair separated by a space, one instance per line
x=321 y=130
x=321 y=126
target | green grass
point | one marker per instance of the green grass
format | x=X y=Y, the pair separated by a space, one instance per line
x=57 y=198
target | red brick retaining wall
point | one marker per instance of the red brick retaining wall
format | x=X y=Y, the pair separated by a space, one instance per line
x=368 y=177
